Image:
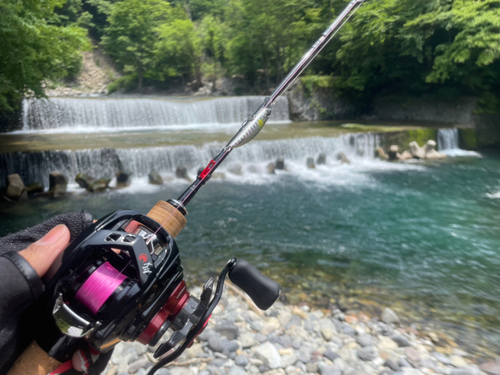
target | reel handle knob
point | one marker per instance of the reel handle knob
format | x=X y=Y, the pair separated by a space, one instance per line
x=261 y=289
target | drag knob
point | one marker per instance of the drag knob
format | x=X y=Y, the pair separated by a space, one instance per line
x=261 y=289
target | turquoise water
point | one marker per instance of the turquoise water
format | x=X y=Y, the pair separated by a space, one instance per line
x=423 y=239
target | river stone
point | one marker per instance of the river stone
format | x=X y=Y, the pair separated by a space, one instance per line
x=458 y=361
x=284 y=318
x=348 y=330
x=194 y=351
x=417 y=151
x=34 y=188
x=218 y=362
x=230 y=345
x=246 y=340
x=236 y=370
x=263 y=368
x=343 y=158
x=441 y=358
x=288 y=360
x=84 y=180
x=400 y=340
x=99 y=185
x=164 y=371
x=205 y=335
x=389 y=316
x=16 y=188
x=392 y=365
x=380 y=153
x=393 y=152
x=241 y=360
x=154 y=178
x=215 y=343
x=280 y=164
x=268 y=354
x=303 y=356
x=260 y=337
x=270 y=168
x=321 y=159
x=413 y=356
x=403 y=362
x=181 y=172
x=58 y=183
x=364 y=340
x=270 y=326
x=256 y=325
x=406 y=155
x=358 y=372
x=469 y=370
x=331 y=355
x=228 y=329
x=123 y=179
x=312 y=367
x=327 y=333
x=367 y=353
x=310 y=163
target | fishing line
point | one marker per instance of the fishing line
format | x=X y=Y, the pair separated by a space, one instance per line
x=96 y=290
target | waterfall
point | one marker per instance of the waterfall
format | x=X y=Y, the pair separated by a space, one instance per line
x=36 y=166
x=447 y=139
x=105 y=114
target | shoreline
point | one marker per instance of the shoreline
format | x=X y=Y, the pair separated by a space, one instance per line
x=298 y=339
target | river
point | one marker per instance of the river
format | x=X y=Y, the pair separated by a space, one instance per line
x=421 y=238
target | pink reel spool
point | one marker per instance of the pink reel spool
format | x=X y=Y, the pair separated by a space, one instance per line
x=96 y=290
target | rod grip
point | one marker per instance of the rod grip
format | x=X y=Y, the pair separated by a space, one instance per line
x=261 y=289
x=169 y=217
x=34 y=361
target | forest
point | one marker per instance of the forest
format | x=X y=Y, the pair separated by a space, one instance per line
x=399 y=48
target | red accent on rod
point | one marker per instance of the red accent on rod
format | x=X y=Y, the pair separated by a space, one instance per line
x=207 y=170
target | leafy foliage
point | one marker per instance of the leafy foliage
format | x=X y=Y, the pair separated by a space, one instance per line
x=35 y=47
x=396 y=48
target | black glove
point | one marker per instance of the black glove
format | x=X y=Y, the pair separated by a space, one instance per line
x=21 y=286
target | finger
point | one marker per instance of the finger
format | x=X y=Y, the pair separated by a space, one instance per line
x=41 y=254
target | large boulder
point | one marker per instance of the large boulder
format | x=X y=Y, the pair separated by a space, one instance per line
x=123 y=179
x=270 y=168
x=430 y=151
x=342 y=158
x=280 y=164
x=181 y=172
x=393 y=153
x=380 y=153
x=35 y=188
x=99 y=185
x=310 y=163
x=406 y=155
x=15 y=188
x=321 y=159
x=58 y=183
x=154 y=178
x=416 y=151
x=84 y=180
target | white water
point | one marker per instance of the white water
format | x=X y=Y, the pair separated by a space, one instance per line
x=81 y=115
x=448 y=144
x=246 y=165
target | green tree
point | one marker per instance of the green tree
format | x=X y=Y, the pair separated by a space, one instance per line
x=214 y=39
x=132 y=32
x=35 y=48
x=178 y=50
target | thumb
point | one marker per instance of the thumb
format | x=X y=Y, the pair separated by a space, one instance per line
x=42 y=253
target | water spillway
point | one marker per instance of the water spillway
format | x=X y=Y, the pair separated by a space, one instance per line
x=114 y=114
x=36 y=166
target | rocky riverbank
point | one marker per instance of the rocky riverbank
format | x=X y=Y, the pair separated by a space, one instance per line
x=293 y=340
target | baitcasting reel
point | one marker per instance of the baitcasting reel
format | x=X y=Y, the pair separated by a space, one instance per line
x=122 y=280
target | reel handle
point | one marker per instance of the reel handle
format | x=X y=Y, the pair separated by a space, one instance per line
x=261 y=289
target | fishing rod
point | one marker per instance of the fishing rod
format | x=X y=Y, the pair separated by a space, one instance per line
x=254 y=124
x=121 y=279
